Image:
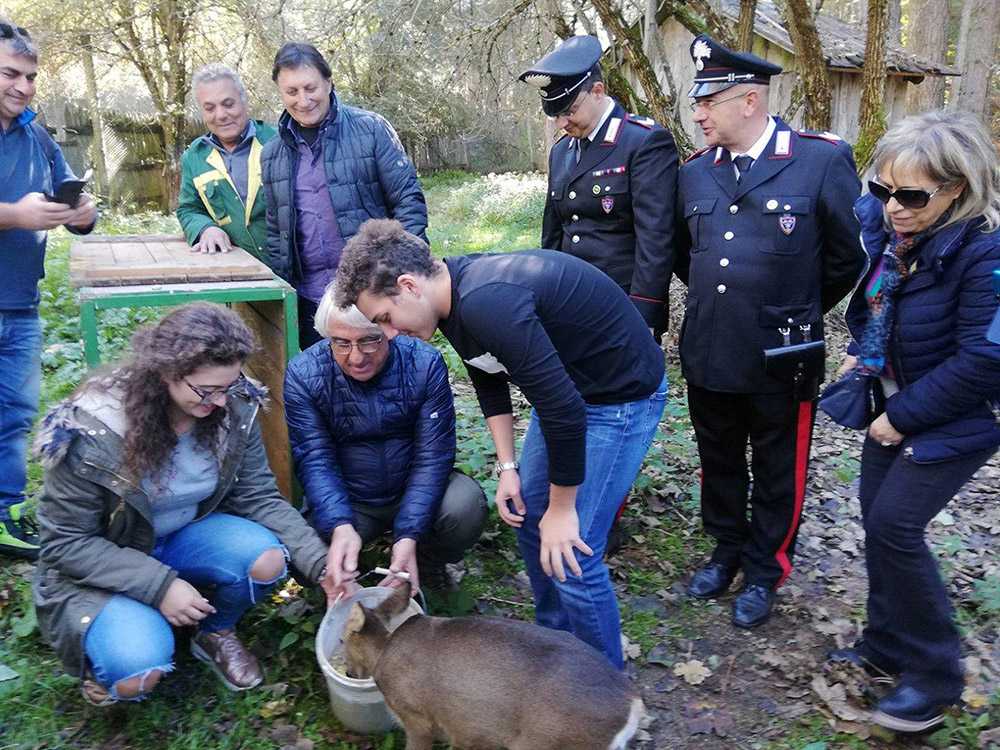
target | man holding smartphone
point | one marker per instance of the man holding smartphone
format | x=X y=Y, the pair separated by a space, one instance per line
x=31 y=167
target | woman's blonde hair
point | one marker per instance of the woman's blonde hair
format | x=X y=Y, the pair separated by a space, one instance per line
x=950 y=148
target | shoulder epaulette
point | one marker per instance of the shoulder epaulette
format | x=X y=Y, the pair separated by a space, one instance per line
x=824 y=136
x=646 y=122
x=698 y=153
x=559 y=136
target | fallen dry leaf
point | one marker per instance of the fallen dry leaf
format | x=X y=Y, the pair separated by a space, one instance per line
x=693 y=671
x=630 y=650
x=974 y=699
x=835 y=698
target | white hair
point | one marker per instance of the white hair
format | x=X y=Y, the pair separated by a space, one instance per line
x=328 y=314
x=218 y=72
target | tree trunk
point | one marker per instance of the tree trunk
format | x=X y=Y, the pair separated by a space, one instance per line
x=628 y=41
x=895 y=32
x=561 y=28
x=811 y=62
x=717 y=25
x=927 y=36
x=975 y=58
x=871 y=118
x=102 y=185
x=744 y=26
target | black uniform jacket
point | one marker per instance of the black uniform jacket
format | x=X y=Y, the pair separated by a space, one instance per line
x=775 y=251
x=615 y=208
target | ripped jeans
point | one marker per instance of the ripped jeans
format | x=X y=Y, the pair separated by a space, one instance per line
x=129 y=638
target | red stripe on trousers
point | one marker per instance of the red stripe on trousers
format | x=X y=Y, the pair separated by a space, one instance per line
x=803 y=432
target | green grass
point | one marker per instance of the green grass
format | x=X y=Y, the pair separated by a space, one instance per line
x=42 y=707
x=496 y=213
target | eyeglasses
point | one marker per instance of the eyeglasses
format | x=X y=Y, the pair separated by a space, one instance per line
x=906 y=197
x=207 y=394
x=367 y=345
x=574 y=107
x=9 y=32
x=706 y=104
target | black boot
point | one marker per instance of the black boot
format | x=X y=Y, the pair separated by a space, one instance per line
x=711 y=581
x=908 y=709
x=753 y=606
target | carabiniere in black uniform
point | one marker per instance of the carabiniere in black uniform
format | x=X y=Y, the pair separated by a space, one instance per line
x=611 y=199
x=764 y=256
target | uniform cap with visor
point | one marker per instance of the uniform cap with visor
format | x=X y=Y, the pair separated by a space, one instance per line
x=562 y=73
x=718 y=68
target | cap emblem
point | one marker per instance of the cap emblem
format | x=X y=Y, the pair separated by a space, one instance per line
x=541 y=81
x=700 y=52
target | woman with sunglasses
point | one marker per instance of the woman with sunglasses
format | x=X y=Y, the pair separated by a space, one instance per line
x=156 y=482
x=918 y=320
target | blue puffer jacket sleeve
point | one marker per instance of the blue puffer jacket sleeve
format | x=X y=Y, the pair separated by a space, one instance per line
x=433 y=456
x=314 y=451
x=971 y=375
x=398 y=179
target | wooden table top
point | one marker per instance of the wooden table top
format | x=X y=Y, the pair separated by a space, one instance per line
x=117 y=260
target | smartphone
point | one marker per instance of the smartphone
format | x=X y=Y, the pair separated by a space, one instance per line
x=69 y=191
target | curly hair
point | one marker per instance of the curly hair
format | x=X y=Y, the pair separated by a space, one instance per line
x=376 y=257
x=190 y=337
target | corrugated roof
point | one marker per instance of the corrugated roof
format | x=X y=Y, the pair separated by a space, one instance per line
x=843 y=43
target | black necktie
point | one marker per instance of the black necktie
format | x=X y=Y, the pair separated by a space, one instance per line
x=581 y=148
x=743 y=164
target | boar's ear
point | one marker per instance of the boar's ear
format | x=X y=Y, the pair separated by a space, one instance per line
x=396 y=603
x=355 y=619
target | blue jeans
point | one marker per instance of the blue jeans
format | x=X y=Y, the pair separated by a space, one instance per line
x=129 y=638
x=20 y=381
x=618 y=436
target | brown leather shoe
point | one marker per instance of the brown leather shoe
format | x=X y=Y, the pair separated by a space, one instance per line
x=223 y=652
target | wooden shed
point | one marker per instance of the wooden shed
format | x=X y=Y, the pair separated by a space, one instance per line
x=844 y=48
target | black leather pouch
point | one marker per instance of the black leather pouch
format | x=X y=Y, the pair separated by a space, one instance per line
x=799 y=364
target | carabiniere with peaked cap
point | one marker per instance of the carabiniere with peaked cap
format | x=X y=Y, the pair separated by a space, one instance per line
x=560 y=74
x=768 y=243
x=612 y=177
x=718 y=68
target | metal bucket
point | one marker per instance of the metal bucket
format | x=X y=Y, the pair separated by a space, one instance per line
x=358 y=704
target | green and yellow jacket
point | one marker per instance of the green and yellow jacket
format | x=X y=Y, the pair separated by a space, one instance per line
x=208 y=196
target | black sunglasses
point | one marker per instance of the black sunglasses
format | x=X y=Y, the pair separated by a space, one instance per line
x=906 y=197
x=9 y=32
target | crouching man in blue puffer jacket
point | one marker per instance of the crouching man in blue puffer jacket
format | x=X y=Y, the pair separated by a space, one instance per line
x=372 y=428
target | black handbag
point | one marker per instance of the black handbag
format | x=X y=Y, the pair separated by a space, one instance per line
x=850 y=401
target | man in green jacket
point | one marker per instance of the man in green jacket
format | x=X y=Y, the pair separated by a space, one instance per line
x=221 y=203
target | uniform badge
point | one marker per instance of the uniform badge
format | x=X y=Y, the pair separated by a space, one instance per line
x=597 y=189
x=700 y=53
x=787 y=223
x=608 y=204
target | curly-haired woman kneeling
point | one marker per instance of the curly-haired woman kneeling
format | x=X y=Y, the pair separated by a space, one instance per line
x=156 y=482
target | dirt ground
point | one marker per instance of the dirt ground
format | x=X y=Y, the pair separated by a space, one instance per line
x=714 y=686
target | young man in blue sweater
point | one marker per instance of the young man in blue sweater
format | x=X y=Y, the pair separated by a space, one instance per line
x=31 y=167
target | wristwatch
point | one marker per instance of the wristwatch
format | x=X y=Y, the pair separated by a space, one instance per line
x=500 y=467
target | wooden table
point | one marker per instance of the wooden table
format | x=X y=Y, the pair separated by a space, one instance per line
x=129 y=271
